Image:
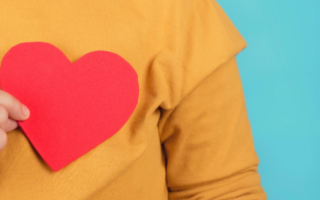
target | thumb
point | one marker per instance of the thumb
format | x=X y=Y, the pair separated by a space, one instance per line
x=16 y=110
x=25 y=111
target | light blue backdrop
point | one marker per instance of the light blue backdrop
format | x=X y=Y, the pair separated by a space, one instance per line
x=280 y=71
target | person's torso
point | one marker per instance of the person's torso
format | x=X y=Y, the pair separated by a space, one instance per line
x=130 y=164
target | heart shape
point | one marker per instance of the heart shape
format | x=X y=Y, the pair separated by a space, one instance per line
x=73 y=106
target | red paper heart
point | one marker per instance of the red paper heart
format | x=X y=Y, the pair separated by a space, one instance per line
x=73 y=106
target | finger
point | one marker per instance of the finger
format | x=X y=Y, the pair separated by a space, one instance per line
x=11 y=125
x=3 y=117
x=6 y=123
x=16 y=110
x=3 y=139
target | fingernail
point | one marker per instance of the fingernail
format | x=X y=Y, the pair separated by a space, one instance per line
x=25 y=110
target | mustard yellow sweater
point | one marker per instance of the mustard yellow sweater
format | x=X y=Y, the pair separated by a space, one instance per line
x=189 y=136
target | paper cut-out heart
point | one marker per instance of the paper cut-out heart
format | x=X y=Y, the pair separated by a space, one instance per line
x=73 y=106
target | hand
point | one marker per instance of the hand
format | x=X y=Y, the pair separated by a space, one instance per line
x=10 y=110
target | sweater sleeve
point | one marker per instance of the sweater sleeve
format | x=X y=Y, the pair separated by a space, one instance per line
x=206 y=137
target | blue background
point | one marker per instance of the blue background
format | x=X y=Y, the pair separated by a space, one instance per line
x=280 y=71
